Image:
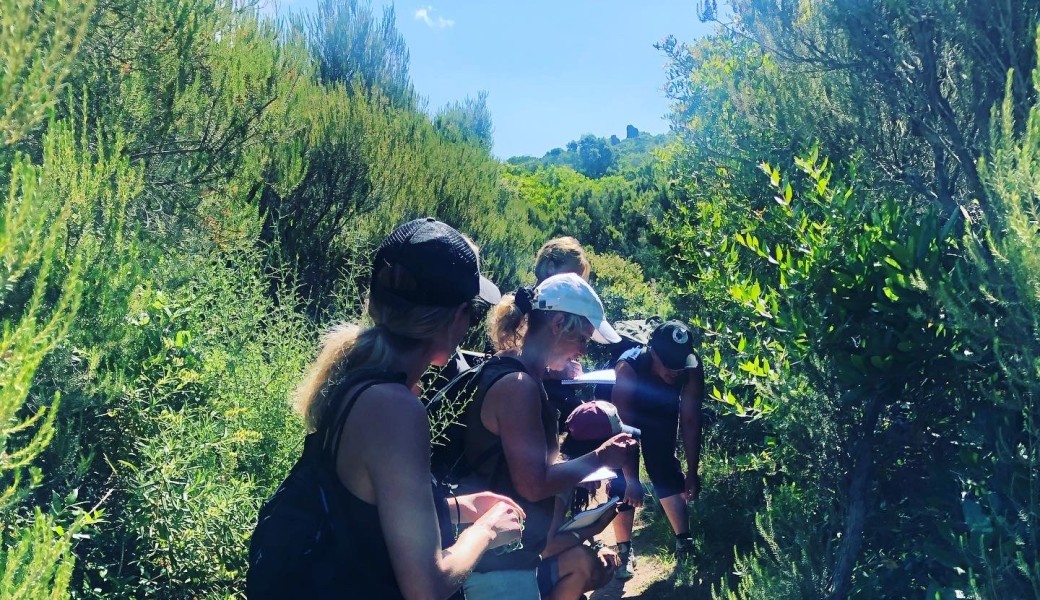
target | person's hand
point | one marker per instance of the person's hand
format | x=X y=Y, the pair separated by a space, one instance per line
x=504 y=522
x=633 y=493
x=609 y=558
x=571 y=370
x=616 y=451
x=692 y=486
x=472 y=506
x=608 y=562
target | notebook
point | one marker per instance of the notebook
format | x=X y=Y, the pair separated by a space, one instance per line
x=607 y=376
x=590 y=516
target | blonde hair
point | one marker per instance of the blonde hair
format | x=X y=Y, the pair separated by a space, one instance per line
x=561 y=255
x=397 y=326
x=508 y=325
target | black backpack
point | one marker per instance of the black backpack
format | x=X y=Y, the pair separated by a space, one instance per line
x=302 y=537
x=447 y=410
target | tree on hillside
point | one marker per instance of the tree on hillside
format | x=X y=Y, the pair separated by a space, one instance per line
x=595 y=156
x=467 y=122
x=907 y=85
x=352 y=46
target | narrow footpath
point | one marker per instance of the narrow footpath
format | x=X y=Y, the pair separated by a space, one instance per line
x=655 y=573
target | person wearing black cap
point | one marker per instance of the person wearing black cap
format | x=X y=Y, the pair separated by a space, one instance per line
x=660 y=389
x=359 y=401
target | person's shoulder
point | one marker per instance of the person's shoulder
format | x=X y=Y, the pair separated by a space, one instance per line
x=630 y=360
x=517 y=382
x=392 y=400
x=630 y=355
x=388 y=414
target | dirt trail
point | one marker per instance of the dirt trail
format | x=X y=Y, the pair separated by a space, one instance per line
x=649 y=570
x=654 y=577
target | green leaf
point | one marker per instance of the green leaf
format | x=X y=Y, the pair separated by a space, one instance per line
x=182 y=339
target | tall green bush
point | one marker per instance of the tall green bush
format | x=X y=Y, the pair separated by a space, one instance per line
x=995 y=300
x=62 y=198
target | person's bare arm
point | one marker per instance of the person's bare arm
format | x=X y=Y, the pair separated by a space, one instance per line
x=558 y=541
x=562 y=540
x=513 y=411
x=691 y=401
x=394 y=449
x=623 y=398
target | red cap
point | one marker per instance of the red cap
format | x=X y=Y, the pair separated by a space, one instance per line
x=597 y=420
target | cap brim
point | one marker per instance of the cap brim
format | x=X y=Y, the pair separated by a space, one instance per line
x=489 y=291
x=632 y=431
x=605 y=334
x=689 y=361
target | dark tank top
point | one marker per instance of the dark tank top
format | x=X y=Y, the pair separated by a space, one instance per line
x=371 y=572
x=655 y=404
x=490 y=471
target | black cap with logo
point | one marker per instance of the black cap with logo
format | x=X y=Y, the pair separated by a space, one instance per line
x=672 y=341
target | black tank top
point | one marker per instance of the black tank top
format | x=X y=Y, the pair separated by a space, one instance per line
x=492 y=473
x=655 y=403
x=372 y=571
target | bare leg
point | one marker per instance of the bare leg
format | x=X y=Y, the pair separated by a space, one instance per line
x=677 y=512
x=623 y=526
x=623 y=534
x=576 y=568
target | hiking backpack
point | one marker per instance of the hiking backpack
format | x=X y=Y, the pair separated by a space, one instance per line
x=303 y=537
x=446 y=411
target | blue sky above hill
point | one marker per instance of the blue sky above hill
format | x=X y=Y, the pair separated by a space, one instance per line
x=553 y=70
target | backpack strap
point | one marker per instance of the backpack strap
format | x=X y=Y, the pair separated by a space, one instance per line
x=495 y=449
x=335 y=432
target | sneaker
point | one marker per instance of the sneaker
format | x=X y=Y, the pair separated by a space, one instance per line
x=628 y=562
x=684 y=549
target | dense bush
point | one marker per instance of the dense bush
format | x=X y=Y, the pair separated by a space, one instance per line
x=847 y=318
x=189 y=195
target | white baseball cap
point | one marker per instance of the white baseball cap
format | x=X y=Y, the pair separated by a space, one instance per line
x=570 y=293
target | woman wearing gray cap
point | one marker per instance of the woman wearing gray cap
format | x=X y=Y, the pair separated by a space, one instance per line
x=375 y=526
x=512 y=442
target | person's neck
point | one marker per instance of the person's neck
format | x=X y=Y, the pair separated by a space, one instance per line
x=414 y=363
x=534 y=354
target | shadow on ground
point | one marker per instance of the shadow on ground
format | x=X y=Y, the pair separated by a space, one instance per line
x=658 y=576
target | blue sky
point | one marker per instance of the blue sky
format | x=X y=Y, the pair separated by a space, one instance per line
x=553 y=70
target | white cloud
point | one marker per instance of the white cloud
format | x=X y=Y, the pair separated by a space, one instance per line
x=423 y=14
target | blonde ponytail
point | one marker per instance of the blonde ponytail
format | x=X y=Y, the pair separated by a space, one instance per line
x=348 y=347
x=507 y=325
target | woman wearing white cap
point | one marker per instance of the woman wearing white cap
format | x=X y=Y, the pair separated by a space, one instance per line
x=512 y=443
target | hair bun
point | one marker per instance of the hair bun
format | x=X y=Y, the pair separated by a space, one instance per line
x=523 y=298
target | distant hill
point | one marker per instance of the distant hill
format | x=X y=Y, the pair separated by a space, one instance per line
x=595 y=156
